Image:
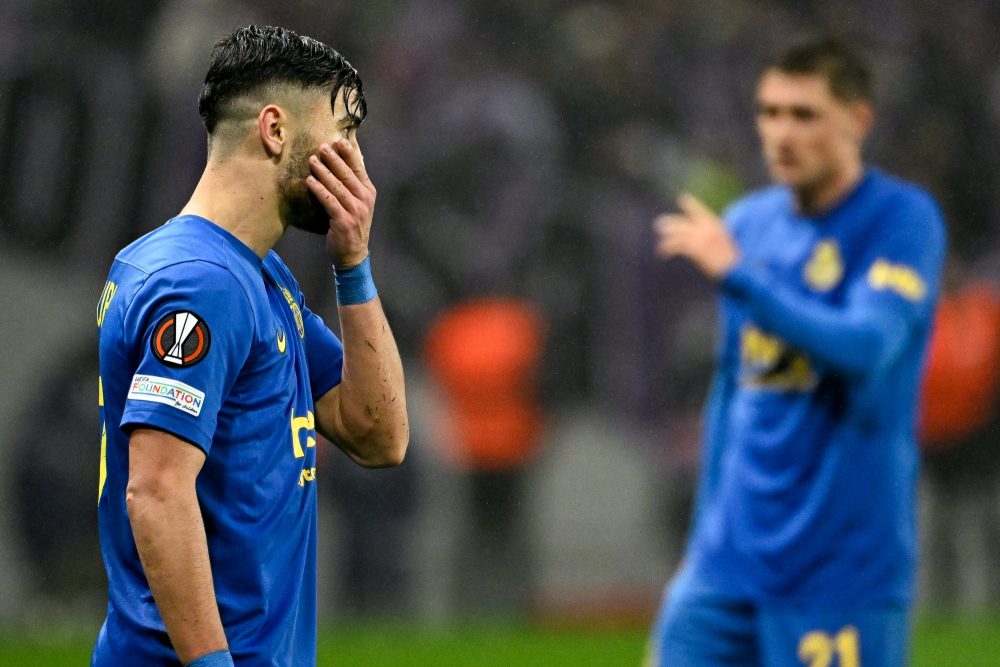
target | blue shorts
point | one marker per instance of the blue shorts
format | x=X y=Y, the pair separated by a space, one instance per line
x=699 y=626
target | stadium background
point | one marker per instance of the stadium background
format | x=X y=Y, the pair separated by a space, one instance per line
x=520 y=149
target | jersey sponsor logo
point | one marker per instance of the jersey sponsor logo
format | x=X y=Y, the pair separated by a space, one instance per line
x=768 y=363
x=282 y=341
x=307 y=475
x=825 y=268
x=299 y=424
x=176 y=394
x=296 y=311
x=897 y=278
x=307 y=424
x=180 y=338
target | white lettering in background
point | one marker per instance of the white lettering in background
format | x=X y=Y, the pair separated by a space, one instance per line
x=168 y=392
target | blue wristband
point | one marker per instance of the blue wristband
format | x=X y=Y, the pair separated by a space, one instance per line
x=217 y=659
x=355 y=285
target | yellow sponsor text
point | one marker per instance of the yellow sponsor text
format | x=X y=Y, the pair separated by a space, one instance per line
x=769 y=363
x=307 y=475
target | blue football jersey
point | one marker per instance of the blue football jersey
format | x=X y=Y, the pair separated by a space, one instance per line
x=201 y=338
x=807 y=494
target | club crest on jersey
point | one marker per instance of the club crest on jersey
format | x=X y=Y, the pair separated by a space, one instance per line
x=825 y=268
x=180 y=339
x=296 y=311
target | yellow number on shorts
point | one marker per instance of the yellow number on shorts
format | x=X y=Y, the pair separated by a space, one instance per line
x=817 y=648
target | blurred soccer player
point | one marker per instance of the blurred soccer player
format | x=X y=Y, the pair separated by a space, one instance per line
x=803 y=544
x=215 y=376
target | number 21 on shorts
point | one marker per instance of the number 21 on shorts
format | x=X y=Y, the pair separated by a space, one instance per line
x=818 y=648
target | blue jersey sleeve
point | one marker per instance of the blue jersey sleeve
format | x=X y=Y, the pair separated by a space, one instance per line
x=324 y=353
x=190 y=328
x=894 y=291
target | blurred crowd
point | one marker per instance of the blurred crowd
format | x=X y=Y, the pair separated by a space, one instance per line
x=520 y=149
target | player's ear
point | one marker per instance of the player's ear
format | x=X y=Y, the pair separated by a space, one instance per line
x=864 y=118
x=271 y=126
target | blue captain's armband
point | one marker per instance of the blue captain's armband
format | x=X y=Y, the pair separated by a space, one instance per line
x=355 y=285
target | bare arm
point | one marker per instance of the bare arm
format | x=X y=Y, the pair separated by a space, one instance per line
x=170 y=537
x=366 y=414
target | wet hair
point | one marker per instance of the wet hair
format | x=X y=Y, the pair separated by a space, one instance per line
x=848 y=75
x=251 y=60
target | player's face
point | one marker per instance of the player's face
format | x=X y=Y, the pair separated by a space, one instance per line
x=809 y=137
x=299 y=208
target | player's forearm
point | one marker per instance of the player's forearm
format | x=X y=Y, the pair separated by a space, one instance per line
x=849 y=340
x=372 y=394
x=170 y=538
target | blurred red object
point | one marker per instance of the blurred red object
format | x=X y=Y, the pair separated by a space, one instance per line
x=963 y=369
x=485 y=355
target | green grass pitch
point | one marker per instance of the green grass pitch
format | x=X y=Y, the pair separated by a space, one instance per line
x=970 y=642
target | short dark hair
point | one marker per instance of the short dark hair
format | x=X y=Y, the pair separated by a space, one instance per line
x=848 y=75
x=250 y=59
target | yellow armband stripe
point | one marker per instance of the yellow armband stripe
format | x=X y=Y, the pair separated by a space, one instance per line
x=897 y=278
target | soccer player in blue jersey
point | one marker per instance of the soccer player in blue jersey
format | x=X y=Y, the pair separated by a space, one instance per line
x=803 y=543
x=216 y=377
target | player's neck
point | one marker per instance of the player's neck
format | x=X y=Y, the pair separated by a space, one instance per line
x=822 y=197
x=248 y=213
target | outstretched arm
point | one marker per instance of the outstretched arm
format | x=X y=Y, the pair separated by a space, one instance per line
x=864 y=335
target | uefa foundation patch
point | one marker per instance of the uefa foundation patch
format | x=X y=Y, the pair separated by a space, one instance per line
x=180 y=338
x=168 y=392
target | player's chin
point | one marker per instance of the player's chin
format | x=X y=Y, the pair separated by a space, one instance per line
x=786 y=174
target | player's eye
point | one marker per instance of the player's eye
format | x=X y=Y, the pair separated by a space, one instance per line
x=804 y=113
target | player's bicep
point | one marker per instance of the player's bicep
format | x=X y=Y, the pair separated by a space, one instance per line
x=324 y=354
x=328 y=420
x=899 y=277
x=158 y=459
x=330 y=423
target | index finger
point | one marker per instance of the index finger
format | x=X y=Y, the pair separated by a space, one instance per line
x=352 y=156
x=695 y=207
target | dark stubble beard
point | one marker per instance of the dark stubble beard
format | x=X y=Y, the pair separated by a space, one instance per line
x=297 y=206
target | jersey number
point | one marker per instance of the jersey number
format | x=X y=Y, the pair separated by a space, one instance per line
x=817 y=648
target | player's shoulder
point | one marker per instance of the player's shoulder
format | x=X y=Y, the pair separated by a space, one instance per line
x=189 y=254
x=904 y=207
x=900 y=196
x=179 y=241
